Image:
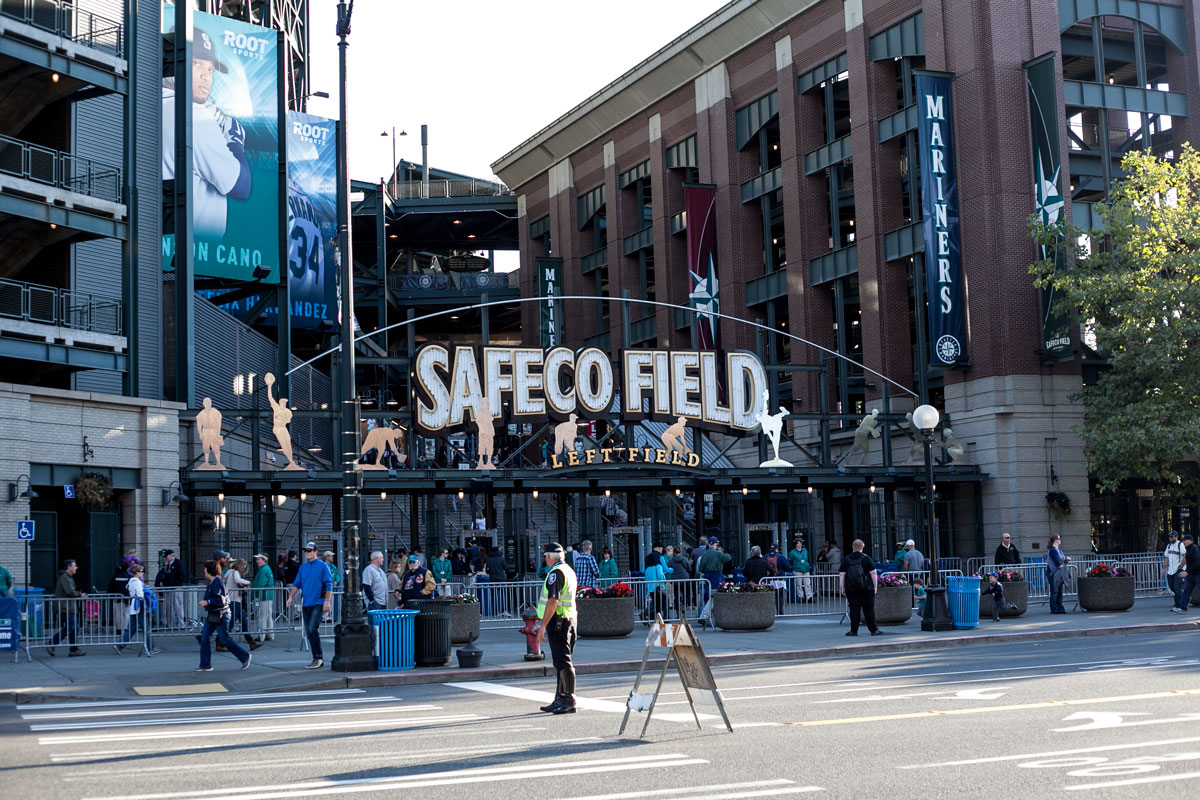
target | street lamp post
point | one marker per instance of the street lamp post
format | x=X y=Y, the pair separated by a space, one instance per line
x=936 y=614
x=353 y=641
x=394 y=163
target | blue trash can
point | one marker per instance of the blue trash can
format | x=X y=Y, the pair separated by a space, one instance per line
x=484 y=594
x=964 y=601
x=32 y=609
x=394 y=638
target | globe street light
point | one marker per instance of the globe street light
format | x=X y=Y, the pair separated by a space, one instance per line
x=936 y=614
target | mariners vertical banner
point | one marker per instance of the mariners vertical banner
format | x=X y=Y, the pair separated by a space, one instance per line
x=700 y=205
x=548 y=286
x=939 y=207
x=234 y=191
x=312 y=218
x=1047 y=190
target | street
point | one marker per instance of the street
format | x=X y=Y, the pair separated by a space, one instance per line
x=1100 y=716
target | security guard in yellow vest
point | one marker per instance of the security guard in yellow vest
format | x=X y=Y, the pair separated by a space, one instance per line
x=556 y=610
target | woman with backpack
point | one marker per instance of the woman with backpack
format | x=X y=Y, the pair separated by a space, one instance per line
x=216 y=606
x=656 y=595
x=139 y=610
x=235 y=582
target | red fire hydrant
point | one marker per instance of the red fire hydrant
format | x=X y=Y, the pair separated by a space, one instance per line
x=533 y=648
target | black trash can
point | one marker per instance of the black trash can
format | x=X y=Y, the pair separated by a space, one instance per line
x=433 y=632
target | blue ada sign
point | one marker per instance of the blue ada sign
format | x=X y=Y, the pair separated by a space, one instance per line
x=24 y=530
x=69 y=491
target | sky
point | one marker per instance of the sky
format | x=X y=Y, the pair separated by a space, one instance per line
x=484 y=75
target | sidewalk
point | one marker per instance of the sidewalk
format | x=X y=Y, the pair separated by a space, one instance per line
x=279 y=666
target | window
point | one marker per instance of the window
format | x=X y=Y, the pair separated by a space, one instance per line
x=646 y=276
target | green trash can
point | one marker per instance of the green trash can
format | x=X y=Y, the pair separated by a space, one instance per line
x=432 y=632
x=963 y=595
x=393 y=638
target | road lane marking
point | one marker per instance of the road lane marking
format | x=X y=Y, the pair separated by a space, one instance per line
x=1052 y=753
x=749 y=789
x=294 y=730
x=396 y=757
x=36 y=716
x=398 y=782
x=1104 y=719
x=866 y=684
x=1183 y=776
x=191 y=748
x=994 y=709
x=178 y=689
x=296 y=712
x=585 y=703
x=224 y=697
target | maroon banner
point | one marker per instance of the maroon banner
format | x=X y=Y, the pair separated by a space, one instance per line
x=700 y=206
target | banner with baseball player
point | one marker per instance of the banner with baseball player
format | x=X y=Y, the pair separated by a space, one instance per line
x=234 y=192
x=312 y=219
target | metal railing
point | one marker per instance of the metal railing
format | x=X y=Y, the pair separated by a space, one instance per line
x=95 y=620
x=50 y=167
x=52 y=306
x=821 y=595
x=416 y=190
x=501 y=603
x=62 y=18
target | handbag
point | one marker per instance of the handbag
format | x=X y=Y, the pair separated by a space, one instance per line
x=215 y=615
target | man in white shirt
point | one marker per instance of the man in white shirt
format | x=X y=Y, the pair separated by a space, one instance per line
x=374 y=581
x=1172 y=565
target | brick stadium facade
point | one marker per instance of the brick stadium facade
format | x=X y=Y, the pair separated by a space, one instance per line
x=801 y=114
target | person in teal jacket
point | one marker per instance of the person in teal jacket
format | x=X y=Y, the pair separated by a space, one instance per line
x=6 y=585
x=443 y=570
x=608 y=569
x=262 y=593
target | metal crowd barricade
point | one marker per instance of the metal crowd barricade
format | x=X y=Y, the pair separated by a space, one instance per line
x=821 y=595
x=1038 y=579
x=1146 y=569
x=95 y=620
x=501 y=604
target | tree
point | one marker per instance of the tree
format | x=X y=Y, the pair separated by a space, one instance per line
x=1134 y=290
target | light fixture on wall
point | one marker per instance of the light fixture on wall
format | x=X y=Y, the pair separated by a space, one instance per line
x=169 y=496
x=383 y=495
x=810 y=490
x=461 y=494
x=608 y=492
x=28 y=494
x=677 y=493
x=534 y=494
x=303 y=496
x=220 y=497
x=745 y=491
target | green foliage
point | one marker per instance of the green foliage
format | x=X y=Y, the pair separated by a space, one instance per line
x=1136 y=297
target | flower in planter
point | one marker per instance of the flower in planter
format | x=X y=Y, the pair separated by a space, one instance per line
x=616 y=590
x=1103 y=570
x=1059 y=503
x=93 y=487
x=1010 y=576
x=746 y=587
x=889 y=579
x=463 y=599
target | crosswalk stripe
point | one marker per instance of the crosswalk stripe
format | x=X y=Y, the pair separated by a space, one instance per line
x=225 y=697
x=141 y=735
x=585 y=703
x=223 y=719
x=688 y=790
x=427 y=779
x=34 y=716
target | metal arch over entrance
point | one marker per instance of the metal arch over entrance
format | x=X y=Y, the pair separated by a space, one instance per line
x=656 y=303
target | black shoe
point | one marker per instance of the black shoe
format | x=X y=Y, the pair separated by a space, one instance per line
x=877 y=633
x=565 y=708
x=555 y=703
x=852 y=633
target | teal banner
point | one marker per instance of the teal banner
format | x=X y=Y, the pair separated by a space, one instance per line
x=233 y=195
x=1040 y=75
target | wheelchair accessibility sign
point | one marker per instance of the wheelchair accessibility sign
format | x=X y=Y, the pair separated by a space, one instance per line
x=25 y=530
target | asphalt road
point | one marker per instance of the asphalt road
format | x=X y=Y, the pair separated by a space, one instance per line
x=1101 y=717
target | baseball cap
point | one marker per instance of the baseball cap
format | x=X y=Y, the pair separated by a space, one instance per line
x=995 y=575
x=910 y=542
x=553 y=547
x=1169 y=533
x=291 y=553
x=713 y=540
x=219 y=554
x=1189 y=537
x=310 y=546
x=417 y=559
x=327 y=553
x=262 y=556
x=203 y=49
x=168 y=552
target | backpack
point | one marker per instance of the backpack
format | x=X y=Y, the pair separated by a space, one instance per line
x=119 y=584
x=856 y=578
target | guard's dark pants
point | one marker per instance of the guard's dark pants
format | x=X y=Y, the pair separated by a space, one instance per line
x=560 y=634
x=862 y=604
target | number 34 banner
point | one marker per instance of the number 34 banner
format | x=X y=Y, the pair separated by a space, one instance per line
x=312 y=218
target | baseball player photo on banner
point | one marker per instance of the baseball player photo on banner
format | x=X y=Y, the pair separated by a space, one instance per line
x=312 y=218
x=234 y=191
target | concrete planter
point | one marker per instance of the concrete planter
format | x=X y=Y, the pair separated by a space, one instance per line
x=605 y=617
x=743 y=611
x=1106 y=594
x=464 y=623
x=1015 y=592
x=893 y=605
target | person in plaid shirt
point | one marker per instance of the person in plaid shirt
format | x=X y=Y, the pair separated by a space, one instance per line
x=586 y=568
